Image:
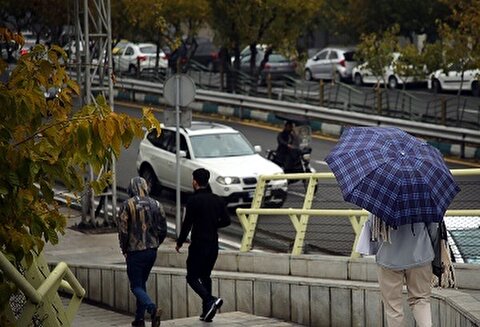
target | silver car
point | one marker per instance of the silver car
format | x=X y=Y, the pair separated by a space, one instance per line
x=332 y=63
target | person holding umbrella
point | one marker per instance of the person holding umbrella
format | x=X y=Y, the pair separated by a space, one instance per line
x=405 y=184
x=405 y=254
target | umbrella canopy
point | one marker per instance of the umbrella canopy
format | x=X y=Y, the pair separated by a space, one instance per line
x=392 y=174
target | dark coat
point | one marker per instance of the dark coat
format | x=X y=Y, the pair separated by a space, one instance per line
x=205 y=213
x=283 y=140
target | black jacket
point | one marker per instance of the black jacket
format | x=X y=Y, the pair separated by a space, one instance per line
x=205 y=213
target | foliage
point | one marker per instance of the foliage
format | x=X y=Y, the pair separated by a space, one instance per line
x=166 y=20
x=37 y=16
x=409 y=64
x=46 y=141
x=459 y=49
x=461 y=35
x=376 y=51
x=277 y=24
x=357 y=17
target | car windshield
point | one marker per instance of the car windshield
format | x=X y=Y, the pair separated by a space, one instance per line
x=221 y=145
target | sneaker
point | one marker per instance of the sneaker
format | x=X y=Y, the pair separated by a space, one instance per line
x=217 y=304
x=156 y=315
x=202 y=318
x=138 y=323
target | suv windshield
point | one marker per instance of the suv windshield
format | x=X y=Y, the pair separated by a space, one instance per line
x=220 y=145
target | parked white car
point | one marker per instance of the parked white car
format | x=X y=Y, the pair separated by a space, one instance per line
x=132 y=56
x=362 y=75
x=233 y=162
x=452 y=80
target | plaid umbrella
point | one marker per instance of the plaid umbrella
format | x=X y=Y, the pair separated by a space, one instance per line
x=392 y=174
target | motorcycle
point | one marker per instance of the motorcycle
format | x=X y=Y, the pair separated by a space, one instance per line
x=300 y=161
x=300 y=155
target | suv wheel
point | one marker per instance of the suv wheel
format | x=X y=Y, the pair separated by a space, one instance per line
x=436 y=86
x=475 y=89
x=132 y=70
x=392 y=82
x=149 y=175
x=358 y=79
x=337 y=77
x=308 y=75
x=277 y=201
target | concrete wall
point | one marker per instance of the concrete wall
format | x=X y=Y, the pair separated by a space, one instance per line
x=309 y=290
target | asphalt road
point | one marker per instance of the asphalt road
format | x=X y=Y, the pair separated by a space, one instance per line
x=324 y=235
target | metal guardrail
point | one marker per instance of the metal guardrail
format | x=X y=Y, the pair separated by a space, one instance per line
x=300 y=216
x=453 y=134
x=40 y=287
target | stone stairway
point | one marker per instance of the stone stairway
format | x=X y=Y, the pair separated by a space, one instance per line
x=93 y=316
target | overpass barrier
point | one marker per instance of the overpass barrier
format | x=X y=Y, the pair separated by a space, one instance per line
x=452 y=140
x=311 y=290
x=302 y=215
x=37 y=303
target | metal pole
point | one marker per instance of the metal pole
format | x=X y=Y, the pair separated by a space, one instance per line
x=78 y=53
x=111 y=102
x=178 y=218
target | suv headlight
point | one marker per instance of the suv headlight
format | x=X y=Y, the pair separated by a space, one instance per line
x=228 y=180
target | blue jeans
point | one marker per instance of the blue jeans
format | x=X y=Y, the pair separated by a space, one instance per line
x=139 y=265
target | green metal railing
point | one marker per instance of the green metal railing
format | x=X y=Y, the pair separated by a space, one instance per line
x=41 y=287
x=299 y=217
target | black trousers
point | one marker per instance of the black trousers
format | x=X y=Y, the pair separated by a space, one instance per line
x=200 y=262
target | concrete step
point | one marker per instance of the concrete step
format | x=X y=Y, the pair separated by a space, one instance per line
x=93 y=316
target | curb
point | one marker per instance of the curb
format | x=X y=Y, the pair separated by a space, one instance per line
x=259 y=115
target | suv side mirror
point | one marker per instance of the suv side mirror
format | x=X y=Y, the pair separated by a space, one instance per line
x=183 y=154
x=257 y=148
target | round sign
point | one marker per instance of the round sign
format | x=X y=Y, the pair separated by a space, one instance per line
x=179 y=90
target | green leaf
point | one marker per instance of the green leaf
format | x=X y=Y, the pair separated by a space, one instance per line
x=83 y=136
x=47 y=191
x=13 y=179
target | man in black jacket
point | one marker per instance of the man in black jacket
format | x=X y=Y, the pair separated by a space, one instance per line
x=205 y=213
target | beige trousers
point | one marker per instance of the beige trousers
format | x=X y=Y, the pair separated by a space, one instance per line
x=418 y=281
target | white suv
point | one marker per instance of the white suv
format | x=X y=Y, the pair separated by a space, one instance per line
x=233 y=162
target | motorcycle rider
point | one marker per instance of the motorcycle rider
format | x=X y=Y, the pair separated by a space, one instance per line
x=287 y=153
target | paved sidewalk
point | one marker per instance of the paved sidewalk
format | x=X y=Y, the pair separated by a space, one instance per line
x=77 y=247
x=93 y=316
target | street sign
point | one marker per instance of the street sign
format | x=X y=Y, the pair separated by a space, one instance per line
x=169 y=118
x=179 y=90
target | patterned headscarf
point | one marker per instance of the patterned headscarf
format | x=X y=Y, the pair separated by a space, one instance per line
x=138 y=186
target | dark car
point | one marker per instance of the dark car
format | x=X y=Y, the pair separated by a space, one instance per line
x=207 y=54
